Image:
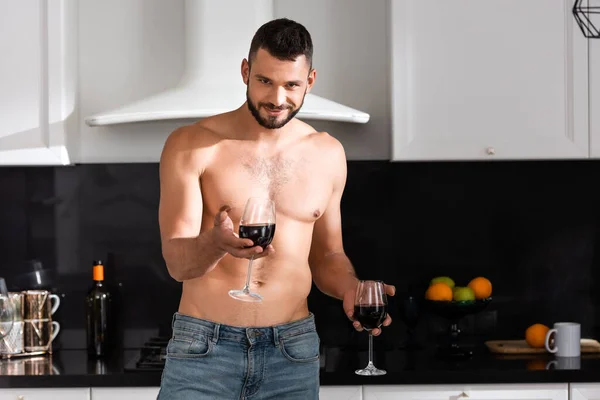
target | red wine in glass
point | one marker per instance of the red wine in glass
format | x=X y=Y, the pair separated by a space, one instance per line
x=257 y=224
x=370 y=309
x=370 y=317
x=260 y=234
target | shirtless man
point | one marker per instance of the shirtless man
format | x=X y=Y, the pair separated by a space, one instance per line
x=224 y=348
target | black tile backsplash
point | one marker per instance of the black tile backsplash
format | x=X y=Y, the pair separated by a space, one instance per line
x=530 y=227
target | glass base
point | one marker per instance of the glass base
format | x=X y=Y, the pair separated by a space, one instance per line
x=245 y=295
x=370 y=370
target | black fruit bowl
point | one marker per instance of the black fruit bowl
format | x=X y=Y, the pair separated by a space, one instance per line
x=454 y=311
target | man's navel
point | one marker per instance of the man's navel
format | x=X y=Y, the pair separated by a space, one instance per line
x=258 y=283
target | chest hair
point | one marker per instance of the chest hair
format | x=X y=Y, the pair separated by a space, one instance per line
x=270 y=173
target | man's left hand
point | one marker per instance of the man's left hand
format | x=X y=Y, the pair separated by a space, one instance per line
x=348 y=304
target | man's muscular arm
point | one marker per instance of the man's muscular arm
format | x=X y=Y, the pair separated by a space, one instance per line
x=189 y=253
x=332 y=271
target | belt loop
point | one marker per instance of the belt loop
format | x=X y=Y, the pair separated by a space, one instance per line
x=215 y=337
x=276 y=336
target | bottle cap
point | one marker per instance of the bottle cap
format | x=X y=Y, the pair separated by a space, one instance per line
x=98 y=271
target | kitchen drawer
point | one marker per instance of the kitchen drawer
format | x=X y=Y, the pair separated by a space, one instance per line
x=132 y=393
x=45 y=394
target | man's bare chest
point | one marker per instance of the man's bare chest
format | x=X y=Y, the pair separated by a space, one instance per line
x=297 y=184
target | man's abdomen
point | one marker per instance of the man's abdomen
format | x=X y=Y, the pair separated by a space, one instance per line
x=283 y=284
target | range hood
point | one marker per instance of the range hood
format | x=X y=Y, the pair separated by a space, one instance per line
x=217 y=38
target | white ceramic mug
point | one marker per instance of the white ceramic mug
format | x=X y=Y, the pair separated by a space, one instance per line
x=567 y=339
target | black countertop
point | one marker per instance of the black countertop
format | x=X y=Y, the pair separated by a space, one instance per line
x=71 y=368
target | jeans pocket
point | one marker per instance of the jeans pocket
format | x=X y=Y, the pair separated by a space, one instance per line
x=184 y=346
x=302 y=348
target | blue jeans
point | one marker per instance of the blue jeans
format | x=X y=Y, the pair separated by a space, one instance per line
x=207 y=361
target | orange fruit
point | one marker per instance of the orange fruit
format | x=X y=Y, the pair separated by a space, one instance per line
x=535 y=335
x=439 y=292
x=482 y=287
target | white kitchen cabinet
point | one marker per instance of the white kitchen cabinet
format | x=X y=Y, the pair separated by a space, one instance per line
x=38 y=78
x=595 y=97
x=45 y=394
x=471 y=392
x=488 y=80
x=340 y=393
x=132 y=393
x=584 y=391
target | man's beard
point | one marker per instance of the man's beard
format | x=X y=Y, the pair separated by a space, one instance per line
x=271 y=122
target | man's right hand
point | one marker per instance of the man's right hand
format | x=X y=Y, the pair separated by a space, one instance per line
x=229 y=242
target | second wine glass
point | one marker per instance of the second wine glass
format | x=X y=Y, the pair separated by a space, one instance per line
x=370 y=309
x=258 y=225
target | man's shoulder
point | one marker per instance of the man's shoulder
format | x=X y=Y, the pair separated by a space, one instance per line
x=327 y=146
x=198 y=139
x=194 y=136
x=321 y=139
x=331 y=155
x=193 y=145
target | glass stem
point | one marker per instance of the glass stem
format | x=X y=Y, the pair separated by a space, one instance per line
x=370 y=350
x=247 y=285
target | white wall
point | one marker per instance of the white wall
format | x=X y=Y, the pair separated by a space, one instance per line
x=352 y=61
x=130 y=49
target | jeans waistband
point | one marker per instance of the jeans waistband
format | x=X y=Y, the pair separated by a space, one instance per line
x=216 y=331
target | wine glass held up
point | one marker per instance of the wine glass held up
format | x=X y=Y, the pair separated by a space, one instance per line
x=370 y=311
x=258 y=225
x=349 y=307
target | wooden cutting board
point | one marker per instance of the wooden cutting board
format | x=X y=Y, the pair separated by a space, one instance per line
x=521 y=347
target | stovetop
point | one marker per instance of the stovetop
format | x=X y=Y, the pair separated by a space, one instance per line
x=151 y=357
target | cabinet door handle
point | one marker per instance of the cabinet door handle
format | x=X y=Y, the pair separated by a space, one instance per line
x=463 y=395
x=491 y=151
x=21 y=397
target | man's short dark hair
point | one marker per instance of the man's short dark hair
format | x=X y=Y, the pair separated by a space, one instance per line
x=284 y=39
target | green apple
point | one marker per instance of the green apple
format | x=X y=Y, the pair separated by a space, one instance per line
x=444 y=279
x=463 y=294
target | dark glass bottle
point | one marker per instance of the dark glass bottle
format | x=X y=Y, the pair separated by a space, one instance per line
x=98 y=315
